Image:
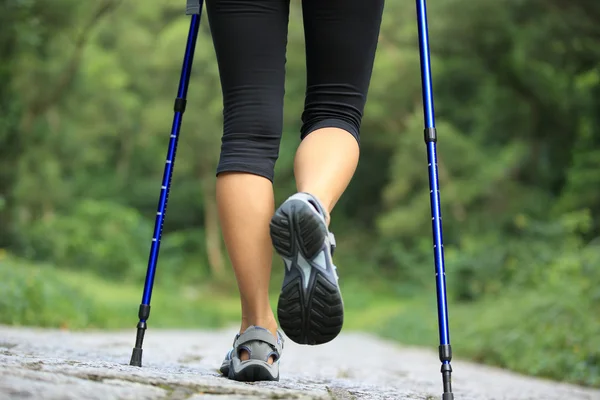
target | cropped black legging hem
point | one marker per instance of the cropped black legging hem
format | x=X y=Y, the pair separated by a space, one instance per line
x=249 y=168
x=351 y=128
x=266 y=168
x=250 y=40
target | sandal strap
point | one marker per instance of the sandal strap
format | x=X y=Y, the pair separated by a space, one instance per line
x=253 y=334
x=259 y=342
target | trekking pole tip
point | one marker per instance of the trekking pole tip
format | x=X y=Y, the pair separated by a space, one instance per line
x=448 y=396
x=136 y=357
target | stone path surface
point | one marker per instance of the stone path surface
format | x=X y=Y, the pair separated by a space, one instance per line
x=182 y=365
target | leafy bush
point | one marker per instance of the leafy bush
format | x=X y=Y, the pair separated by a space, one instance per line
x=526 y=255
x=547 y=333
x=38 y=297
x=104 y=237
x=41 y=295
x=537 y=302
x=183 y=257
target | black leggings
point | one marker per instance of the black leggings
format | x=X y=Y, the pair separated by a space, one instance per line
x=250 y=38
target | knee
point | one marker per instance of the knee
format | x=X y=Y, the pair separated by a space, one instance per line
x=333 y=106
x=251 y=138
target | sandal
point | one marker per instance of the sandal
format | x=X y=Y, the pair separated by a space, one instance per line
x=260 y=345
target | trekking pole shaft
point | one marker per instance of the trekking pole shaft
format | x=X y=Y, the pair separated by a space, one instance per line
x=438 y=246
x=426 y=83
x=430 y=135
x=179 y=109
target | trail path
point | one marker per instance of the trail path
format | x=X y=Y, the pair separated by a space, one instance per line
x=51 y=364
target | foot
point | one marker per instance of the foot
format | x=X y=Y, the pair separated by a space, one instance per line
x=260 y=345
x=310 y=307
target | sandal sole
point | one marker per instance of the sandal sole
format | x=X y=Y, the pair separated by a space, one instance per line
x=252 y=373
x=314 y=315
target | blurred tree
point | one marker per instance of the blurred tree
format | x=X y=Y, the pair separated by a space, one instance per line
x=87 y=109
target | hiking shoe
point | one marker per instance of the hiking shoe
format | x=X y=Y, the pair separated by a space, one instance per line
x=310 y=307
x=260 y=345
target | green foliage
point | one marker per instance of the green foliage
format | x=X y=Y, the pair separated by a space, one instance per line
x=543 y=333
x=549 y=333
x=106 y=238
x=535 y=254
x=530 y=305
x=113 y=241
x=85 y=112
x=41 y=295
x=183 y=257
x=40 y=298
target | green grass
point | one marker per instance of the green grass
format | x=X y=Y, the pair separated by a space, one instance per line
x=41 y=295
x=181 y=307
x=532 y=332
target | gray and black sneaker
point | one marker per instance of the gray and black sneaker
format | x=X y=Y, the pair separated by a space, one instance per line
x=310 y=308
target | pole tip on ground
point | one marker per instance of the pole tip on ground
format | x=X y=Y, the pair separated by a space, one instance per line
x=136 y=358
x=448 y=396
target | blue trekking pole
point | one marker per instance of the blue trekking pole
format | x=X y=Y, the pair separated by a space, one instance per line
x=193 y=8
x=445 y=350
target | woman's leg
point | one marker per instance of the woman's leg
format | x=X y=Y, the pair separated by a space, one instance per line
x=250 y=40
x=341 y=40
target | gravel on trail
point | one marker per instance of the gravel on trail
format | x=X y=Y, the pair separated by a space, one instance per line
x=53 y=364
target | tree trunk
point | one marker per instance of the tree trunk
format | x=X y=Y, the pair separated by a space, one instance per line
x=216 y=260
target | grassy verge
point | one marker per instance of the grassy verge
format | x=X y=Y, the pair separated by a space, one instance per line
x=536 y=333
x=41 y=295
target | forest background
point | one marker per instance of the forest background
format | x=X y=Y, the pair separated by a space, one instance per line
x=86 y=99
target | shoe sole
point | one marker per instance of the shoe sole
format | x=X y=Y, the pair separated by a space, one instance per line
x=251 y=372
x=314 y=315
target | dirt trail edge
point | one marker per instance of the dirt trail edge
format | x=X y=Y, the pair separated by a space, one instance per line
x=51 y=364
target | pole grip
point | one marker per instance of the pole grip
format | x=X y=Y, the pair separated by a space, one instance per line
x=193 y=7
